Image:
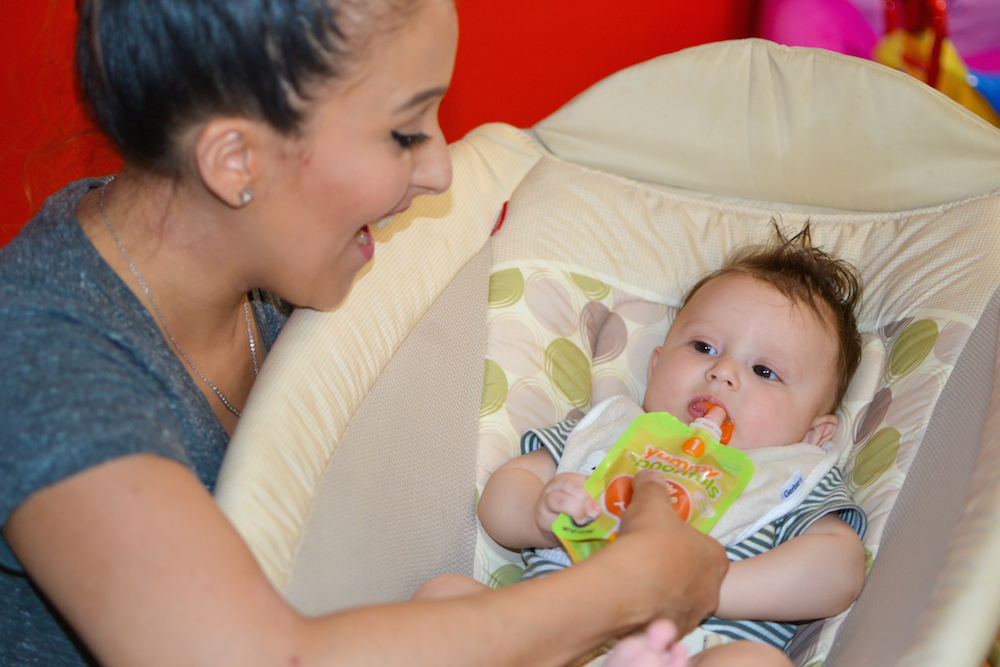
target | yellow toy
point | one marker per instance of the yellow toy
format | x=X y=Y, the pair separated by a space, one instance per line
x=916 y=42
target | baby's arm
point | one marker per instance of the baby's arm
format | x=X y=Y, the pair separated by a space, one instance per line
x=815 y=575
x=524 y=496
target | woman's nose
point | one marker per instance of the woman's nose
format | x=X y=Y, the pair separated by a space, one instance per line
x=432 y=172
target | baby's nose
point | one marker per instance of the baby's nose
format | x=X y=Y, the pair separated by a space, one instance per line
x=723 y=372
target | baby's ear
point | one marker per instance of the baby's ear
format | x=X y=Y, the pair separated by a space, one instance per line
x=653 y=359
x=821 y=430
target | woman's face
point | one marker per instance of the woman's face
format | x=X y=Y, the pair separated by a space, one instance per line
x=369 y=147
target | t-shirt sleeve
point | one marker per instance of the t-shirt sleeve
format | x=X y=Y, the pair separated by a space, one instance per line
x=73 y=397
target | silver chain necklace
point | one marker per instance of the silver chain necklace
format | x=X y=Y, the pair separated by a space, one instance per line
x=156 y=309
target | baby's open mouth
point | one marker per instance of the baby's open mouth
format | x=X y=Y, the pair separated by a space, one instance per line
x=716 y=413
x=701 y=407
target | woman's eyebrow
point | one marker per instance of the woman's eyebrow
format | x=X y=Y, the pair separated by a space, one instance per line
x=422 y=97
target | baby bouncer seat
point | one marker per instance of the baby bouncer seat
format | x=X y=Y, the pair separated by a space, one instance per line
x=539 y=283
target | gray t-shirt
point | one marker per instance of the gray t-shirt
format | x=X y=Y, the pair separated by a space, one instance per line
x=85 y=377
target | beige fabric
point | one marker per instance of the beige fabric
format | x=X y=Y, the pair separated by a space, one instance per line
x=323 y=364
x=644 y=240
x=962 y=614
x=931 y=598
x=755 y=120
x=396 y=503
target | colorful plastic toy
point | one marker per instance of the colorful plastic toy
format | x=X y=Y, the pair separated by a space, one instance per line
x=921 y=37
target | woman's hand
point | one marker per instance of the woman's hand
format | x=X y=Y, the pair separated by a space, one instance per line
x=671 y=566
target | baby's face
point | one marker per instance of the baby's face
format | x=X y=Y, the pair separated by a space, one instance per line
x=741 y=344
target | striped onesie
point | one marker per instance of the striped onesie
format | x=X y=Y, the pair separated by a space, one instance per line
x=830 y=496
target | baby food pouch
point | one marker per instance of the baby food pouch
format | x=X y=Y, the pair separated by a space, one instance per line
x=704 y=477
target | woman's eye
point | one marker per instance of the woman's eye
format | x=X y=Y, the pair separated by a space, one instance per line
x=764 y=372
x=703 y=347
x=409 y=140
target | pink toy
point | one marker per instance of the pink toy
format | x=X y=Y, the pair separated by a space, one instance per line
x=854 y=26
x=953 y=45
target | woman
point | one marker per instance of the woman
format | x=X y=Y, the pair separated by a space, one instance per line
x=260 y=137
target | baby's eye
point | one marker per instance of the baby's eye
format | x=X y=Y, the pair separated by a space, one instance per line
x=408 y=141
x=703 y=347
x=765 y=372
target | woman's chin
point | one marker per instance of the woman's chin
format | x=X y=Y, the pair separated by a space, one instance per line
x=328 y=302
x=327 y=287
x=321 y=299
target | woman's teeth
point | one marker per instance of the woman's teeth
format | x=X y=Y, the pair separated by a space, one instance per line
x=363 y=236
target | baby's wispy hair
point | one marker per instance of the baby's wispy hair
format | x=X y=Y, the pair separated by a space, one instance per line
x=805 y=274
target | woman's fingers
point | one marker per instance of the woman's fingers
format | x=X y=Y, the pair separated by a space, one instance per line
x=651 y=505
x=684 y=565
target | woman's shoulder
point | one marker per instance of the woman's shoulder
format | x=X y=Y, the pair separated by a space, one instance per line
x=87 y=374
x=50 y=243
x=55 y=288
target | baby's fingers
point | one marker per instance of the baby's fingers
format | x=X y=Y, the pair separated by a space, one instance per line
x=566 y=493
x=563 y=501
x=570 y=483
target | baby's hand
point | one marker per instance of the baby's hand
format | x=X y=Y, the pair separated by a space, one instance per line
x=565 y=493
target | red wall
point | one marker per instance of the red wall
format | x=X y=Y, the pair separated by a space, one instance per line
x=523 y=63
x=516 y=65
x=44 y=137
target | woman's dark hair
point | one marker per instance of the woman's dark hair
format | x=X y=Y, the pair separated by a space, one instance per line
x=151 y=68
x=805 y=274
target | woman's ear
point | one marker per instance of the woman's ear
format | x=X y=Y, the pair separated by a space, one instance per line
x=821 y=430
x=226 y=155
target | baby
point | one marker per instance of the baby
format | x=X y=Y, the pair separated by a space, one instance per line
x=769 y=342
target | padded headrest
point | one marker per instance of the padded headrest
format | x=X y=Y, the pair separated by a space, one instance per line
x=754 y=120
